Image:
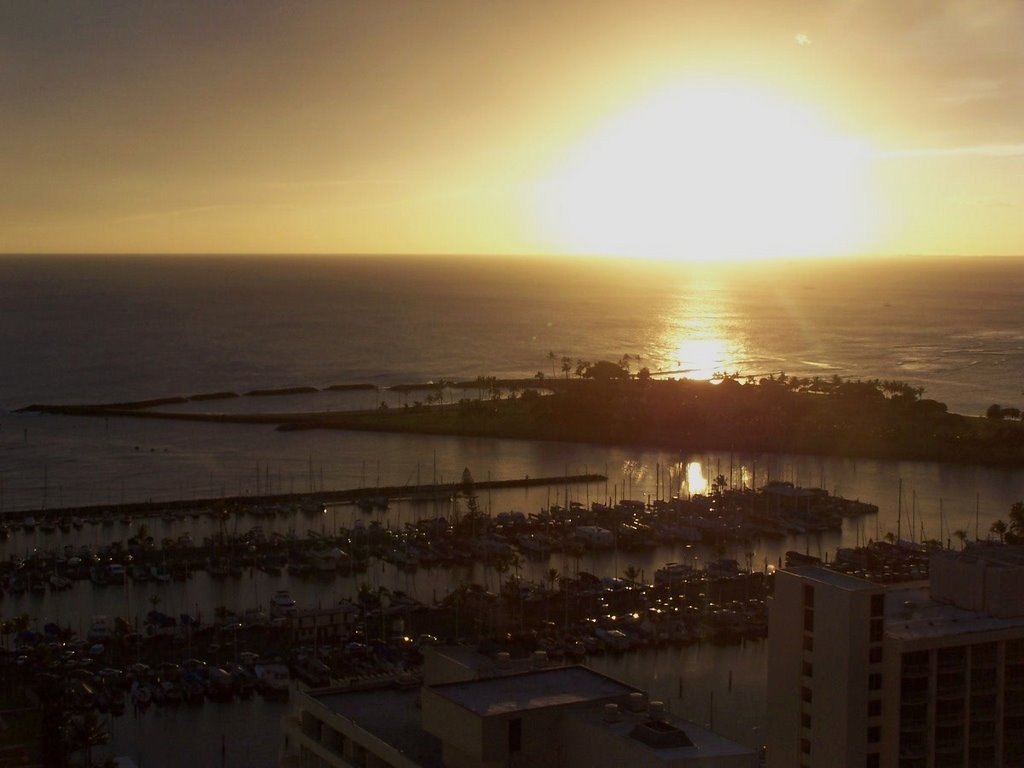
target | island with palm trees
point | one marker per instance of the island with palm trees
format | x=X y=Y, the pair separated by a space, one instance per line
x=604 y=403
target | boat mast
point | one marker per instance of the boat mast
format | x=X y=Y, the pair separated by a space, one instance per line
x=899 y=513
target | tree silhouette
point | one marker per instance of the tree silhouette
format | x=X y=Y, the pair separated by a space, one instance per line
x=552 y=577
x=1016 y=516
x=999 y=528
x=83 y=732
x=961 y=535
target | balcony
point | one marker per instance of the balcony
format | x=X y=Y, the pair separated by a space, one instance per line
x=913 y=725
x=1013 y=706
x=913 y=751
x=950 y=717
x=983 y=741
x=951 y=692
x=1014 y=680
x=914 y=671
x=951 y=666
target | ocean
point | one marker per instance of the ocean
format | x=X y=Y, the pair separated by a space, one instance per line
x=85 y=329
x=88 y=328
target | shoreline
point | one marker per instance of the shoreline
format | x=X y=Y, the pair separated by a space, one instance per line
x=871 y=420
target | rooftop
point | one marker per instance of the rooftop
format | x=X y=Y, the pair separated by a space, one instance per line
x=692 y=741
x=911 y=614
x=390 y=715
x=993 y=554
x=533 y=690
x=833 y=578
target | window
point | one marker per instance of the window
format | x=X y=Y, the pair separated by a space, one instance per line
x=877 y=629
x=808 y=620
x=808 y=643
x=874 y=760
x=874 y=682
x=805 y=694
x=874 y=708
x=878 y=605
x=805 y=720
x=875 y=655
x=874 y=734
x=808 y=669
x=808 y=596
x=515 y=735
x=805 y=746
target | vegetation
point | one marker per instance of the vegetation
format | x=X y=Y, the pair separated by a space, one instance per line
x=603 y=402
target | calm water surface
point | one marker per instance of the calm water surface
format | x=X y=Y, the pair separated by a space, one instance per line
x=87 y=329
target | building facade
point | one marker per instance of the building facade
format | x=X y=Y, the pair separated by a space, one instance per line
x=923 y=675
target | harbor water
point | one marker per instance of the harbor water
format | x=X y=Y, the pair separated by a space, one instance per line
x=163 y=327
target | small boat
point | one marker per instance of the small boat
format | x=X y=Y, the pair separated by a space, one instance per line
x=272 y=680
x=58 y=582
x=99 y=630
x=282 y=604
x=142 y=695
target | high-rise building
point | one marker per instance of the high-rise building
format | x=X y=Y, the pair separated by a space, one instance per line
x=915 y=675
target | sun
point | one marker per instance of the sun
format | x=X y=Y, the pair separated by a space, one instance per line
x=710 y=171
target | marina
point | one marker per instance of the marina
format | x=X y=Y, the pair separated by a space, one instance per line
x=127 y=667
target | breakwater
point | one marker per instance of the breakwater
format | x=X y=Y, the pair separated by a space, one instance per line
x=338 y=496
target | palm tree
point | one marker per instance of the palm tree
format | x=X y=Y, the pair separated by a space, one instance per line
x=83 y=732
x=1017 y=518
x=566 y=366
x=631 y=573
x=961 y=534
x=552 y=358
x=999 y=528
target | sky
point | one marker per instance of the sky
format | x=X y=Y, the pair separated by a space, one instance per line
x=687 y=130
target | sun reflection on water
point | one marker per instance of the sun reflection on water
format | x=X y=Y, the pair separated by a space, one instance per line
x=695 y=480
x=701 y=358
x=699 y=336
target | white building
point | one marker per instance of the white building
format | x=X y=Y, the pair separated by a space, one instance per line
x=922 y=675
x=488 y=714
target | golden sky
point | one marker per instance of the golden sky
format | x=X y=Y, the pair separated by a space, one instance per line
x=683 y=130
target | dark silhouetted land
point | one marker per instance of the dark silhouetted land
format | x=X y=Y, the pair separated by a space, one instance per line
x=884 y=420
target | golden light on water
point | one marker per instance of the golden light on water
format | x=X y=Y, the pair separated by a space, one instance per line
x=695 y=480
x=698 y=340
x=701 y=358
x=709 y=172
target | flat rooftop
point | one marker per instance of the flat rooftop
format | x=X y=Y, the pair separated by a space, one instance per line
x=703 y=743
x=834 y=578
x=552 y=687
x=389 y=714
x=911 y=614
x=991 y=553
